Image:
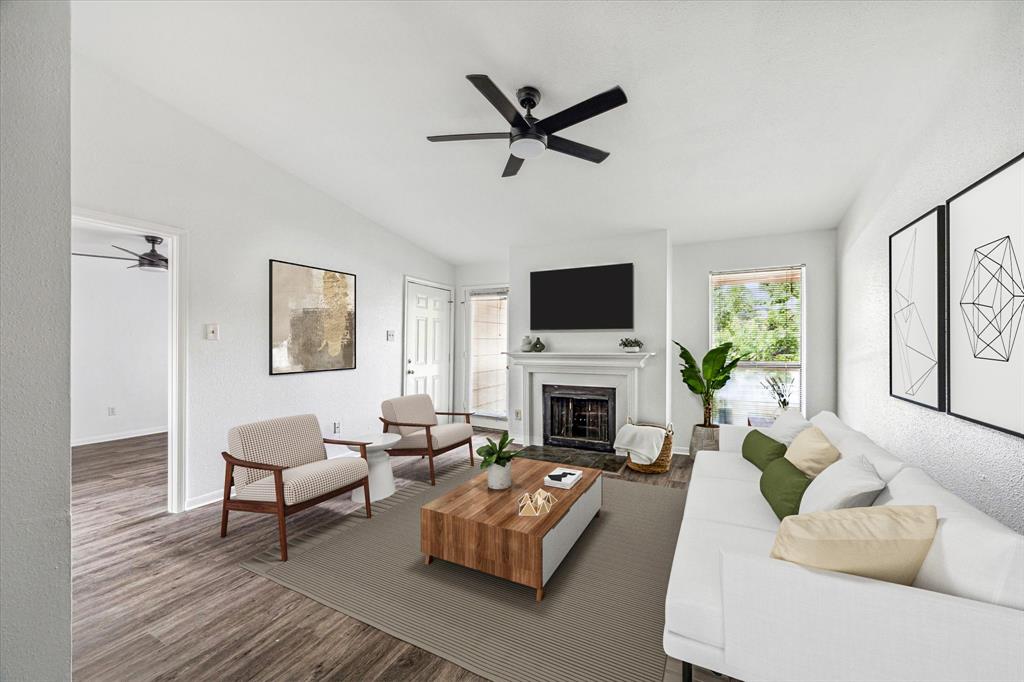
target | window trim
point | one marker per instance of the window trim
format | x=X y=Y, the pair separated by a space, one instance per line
x=467 y=354
x=802 y=267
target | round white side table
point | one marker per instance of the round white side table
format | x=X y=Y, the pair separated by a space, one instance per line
x=382 y=481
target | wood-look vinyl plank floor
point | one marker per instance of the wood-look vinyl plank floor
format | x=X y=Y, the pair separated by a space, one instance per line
x=162 y=597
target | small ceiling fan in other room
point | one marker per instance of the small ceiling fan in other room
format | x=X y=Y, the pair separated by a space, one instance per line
x=150 y=261
x=529 y=136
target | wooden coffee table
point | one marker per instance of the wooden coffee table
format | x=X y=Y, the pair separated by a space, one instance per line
x=482 y=529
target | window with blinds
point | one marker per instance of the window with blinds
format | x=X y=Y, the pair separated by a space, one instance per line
x=488 y=327
x=761 y=313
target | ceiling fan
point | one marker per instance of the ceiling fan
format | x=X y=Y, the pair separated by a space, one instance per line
x=529 y=137
x=150 y=261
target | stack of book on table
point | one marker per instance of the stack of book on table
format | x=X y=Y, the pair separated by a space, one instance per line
x=563 y=477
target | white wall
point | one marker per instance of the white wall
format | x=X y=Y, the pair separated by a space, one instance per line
x=118 y=341
x=979 y=128
x=35 y=463
x=467 y=277
x=135 y=156
x=650 y=254
x=691 y=264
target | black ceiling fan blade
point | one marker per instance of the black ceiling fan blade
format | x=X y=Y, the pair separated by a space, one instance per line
x=580 y=151
x=468 y=136
x=507 y=110
x=137 y=255
x=512 y=167
x=588 y=108
x=96 y=255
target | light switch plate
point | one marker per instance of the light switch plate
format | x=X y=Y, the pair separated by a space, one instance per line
x=212 y=332
x=390 y=335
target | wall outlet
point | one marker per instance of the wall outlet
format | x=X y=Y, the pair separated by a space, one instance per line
x=389 y=335
x=111 y=411
x=519 y=415
x=337 y=427
x=212 y=332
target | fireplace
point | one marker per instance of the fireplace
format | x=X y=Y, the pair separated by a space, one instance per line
x=579 y=417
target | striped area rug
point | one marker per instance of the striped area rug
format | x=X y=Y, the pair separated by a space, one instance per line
x=601 y=618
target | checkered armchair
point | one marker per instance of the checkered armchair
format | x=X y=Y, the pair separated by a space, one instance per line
x=280 y=466
x=414 y=418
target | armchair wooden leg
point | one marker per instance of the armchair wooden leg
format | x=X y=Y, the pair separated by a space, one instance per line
x=430 y=458
x=224 y=520
x=282 y=535
x=469 y=444
x=229 y=471
x=366 y=495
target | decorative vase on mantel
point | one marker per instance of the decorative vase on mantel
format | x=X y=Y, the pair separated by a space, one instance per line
x=538 y=346
x=703 y=438
x=526 y=345
x=499 y=477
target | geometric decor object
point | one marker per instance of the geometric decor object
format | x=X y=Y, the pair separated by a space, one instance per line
x=992 y=301
x=917 y=311
x=985 y=237
x=312 y=319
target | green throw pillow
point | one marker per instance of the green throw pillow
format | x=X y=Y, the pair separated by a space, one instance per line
x=760 y=450
x=783 y=485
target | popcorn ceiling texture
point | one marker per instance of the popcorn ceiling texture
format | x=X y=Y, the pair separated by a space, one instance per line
x=979 y=128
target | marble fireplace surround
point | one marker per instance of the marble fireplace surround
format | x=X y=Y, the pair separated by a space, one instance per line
x=620 y=371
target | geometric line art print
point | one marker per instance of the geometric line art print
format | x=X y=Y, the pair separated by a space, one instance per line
x=992 y=300
x=915 y=349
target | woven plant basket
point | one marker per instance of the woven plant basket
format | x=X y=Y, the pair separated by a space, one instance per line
x=664 y=460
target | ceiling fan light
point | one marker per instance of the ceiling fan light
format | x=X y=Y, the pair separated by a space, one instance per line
x=527 y=147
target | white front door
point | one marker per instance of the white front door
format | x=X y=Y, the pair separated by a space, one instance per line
x=428 y=323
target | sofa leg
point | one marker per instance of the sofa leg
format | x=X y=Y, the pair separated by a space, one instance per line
x=687 y=672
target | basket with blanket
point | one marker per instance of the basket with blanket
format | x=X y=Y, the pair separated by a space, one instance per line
x=648 y=446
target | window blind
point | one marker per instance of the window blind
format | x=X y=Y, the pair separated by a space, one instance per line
x=761 y=313
x=488 y=315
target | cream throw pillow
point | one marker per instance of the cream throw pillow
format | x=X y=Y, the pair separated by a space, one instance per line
x=810 y=452
x=884 y=543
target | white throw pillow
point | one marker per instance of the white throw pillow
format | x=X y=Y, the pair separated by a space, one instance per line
x=850 y=482
x=787 y=426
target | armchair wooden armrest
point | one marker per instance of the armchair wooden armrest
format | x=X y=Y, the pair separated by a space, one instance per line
x=357 y=443
x=234 y=461
x=467 y=415
x=388 y=422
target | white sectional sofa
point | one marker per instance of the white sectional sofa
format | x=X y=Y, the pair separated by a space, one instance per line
x=734 y=610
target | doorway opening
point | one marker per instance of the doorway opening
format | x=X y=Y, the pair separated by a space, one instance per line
x=127 y=361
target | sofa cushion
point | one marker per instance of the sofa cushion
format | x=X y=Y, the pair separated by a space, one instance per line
x=857 y=444
x=787 y=426
x=409 y=409
x=760 y=450
x=693 y=602
x=973 y=555
x=715 y=464
x=882 y=543
x=305 y=482
x=442 y=436
x=833 y=427
x=285 y=441
x=811 y=452
x=850 y=482
x=783 y=485
x=729 y=501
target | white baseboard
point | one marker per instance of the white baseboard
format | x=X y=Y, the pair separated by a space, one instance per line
x=681 y=451
x=89 y=440
x=203 y=500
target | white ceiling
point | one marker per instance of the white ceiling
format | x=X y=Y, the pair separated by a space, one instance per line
x=743 y=119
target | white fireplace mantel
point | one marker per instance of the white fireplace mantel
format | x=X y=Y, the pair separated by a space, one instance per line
x=620 y=371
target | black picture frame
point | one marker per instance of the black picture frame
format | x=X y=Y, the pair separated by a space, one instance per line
x=941 y=292
x=949 y=303
x=270 y=319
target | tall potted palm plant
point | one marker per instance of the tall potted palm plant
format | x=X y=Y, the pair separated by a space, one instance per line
x=705 y=380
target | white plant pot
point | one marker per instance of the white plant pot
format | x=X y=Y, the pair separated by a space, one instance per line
x=632 y=349
x=499 y=477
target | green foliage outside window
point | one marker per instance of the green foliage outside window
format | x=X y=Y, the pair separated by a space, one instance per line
x=761 y=320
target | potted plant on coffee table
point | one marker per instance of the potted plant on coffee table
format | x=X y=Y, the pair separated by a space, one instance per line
x=497 y=459
x=706 y=379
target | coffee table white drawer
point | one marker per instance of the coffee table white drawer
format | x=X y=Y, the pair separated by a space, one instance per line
x=560 y=539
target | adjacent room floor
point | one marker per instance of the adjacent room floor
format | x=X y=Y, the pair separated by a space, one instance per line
x=162 y=596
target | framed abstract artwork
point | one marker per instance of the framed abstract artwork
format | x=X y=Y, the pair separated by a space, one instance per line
x=312 y=319
x=917 y=311
x=986 y=300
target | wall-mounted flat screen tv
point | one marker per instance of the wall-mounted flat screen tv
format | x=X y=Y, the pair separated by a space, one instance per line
x=598 y=297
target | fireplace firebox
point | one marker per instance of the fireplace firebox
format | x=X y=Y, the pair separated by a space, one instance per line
x=579 y=417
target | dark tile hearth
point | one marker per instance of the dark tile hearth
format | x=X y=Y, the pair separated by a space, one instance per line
x=605 y=461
